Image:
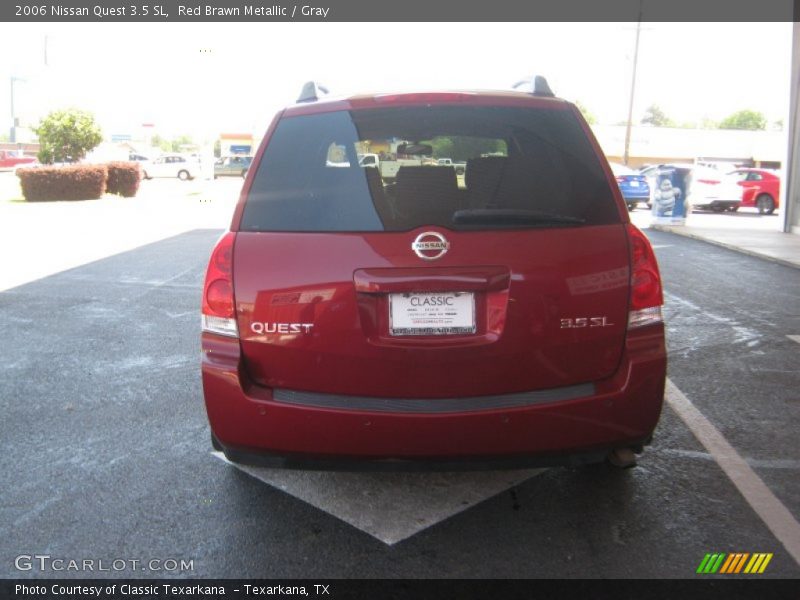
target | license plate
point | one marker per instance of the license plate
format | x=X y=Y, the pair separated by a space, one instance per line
x=634 y=183
x=440 y=313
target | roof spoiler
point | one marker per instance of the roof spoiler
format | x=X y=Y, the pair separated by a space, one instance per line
x=538 y=86
x=311 y=92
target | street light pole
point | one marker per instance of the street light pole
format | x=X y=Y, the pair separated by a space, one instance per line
x=13 y=136
x=625 y=156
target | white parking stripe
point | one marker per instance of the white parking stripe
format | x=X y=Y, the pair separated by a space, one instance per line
x=390 y=506
x=794 y=338
x=760 y=498
x=780 y=463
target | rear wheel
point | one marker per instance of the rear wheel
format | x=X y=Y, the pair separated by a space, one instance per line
x=631 y=206
x=765 y=204
x=244 y=173
x=183 y=175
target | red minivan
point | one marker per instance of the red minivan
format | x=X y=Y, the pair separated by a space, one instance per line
x=402 y=313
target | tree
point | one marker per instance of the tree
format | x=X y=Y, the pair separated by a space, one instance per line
x=587 y=114
x=462 y=148
x=182 y=143
x=656 y=117
x=708 y=123
x=67 y=135
x=745 y=119
x=158 y=142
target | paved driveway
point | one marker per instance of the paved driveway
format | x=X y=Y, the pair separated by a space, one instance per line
x=107 y=453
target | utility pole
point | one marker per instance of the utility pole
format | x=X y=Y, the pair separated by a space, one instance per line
x=13 y=136
x=625 y=156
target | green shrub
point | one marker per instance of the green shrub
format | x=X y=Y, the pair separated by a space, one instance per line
x=123 y=178
x=78 y=182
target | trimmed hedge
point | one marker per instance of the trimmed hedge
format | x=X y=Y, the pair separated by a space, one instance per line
x=78 y=182
x=123 y=178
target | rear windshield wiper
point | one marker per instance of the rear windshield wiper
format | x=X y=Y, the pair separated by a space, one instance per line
x=512 y=216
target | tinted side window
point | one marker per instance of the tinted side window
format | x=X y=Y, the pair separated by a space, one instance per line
x=453 y=166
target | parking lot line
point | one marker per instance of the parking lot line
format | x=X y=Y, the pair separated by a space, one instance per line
x=760 y=498
x=794 y=338
x=390 y=506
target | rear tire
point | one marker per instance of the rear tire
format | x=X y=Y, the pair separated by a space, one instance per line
x=765 y=204
x=631 y=207
x=184 y=175
x=215 y=443
x=244 y=173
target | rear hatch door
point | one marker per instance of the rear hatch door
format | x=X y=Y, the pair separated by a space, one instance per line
x=511 y=277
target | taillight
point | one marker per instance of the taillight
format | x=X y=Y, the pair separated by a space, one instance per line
x=620 y=179
x=219 y=308
x=647 y=297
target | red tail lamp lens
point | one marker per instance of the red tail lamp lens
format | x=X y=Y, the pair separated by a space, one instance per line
x=219 y=296
x=645 y=279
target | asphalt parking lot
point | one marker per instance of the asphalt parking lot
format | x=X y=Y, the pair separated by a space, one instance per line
x=107 y=452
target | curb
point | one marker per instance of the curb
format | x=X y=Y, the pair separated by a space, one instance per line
x=696 y=236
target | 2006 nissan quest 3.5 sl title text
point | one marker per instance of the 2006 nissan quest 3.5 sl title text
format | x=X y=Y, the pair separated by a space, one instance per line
x=432 y=278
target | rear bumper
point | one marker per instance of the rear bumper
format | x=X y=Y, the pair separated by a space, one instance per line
x=636 y=196
x=252 y=427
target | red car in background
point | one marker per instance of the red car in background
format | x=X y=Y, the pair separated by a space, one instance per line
x=760 y=189
x=9 y=160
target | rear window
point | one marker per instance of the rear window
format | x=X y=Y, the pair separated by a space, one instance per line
x=395 y=169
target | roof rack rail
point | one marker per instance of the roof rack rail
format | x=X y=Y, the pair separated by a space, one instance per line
x=538 y=86
x=311 y=92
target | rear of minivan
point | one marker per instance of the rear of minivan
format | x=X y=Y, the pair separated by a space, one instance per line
x=404 y=312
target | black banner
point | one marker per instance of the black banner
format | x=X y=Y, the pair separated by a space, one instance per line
x=399 y=589
x=399 y=10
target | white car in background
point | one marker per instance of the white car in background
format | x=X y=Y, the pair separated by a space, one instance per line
x=702 y=187
x=171 y=165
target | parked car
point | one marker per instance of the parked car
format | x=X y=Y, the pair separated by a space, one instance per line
x=512 y=315
x=171 y=165
x=632 y=184
x=236 y=166
x=12 y=160
x=761 y=189
x=702 y=188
